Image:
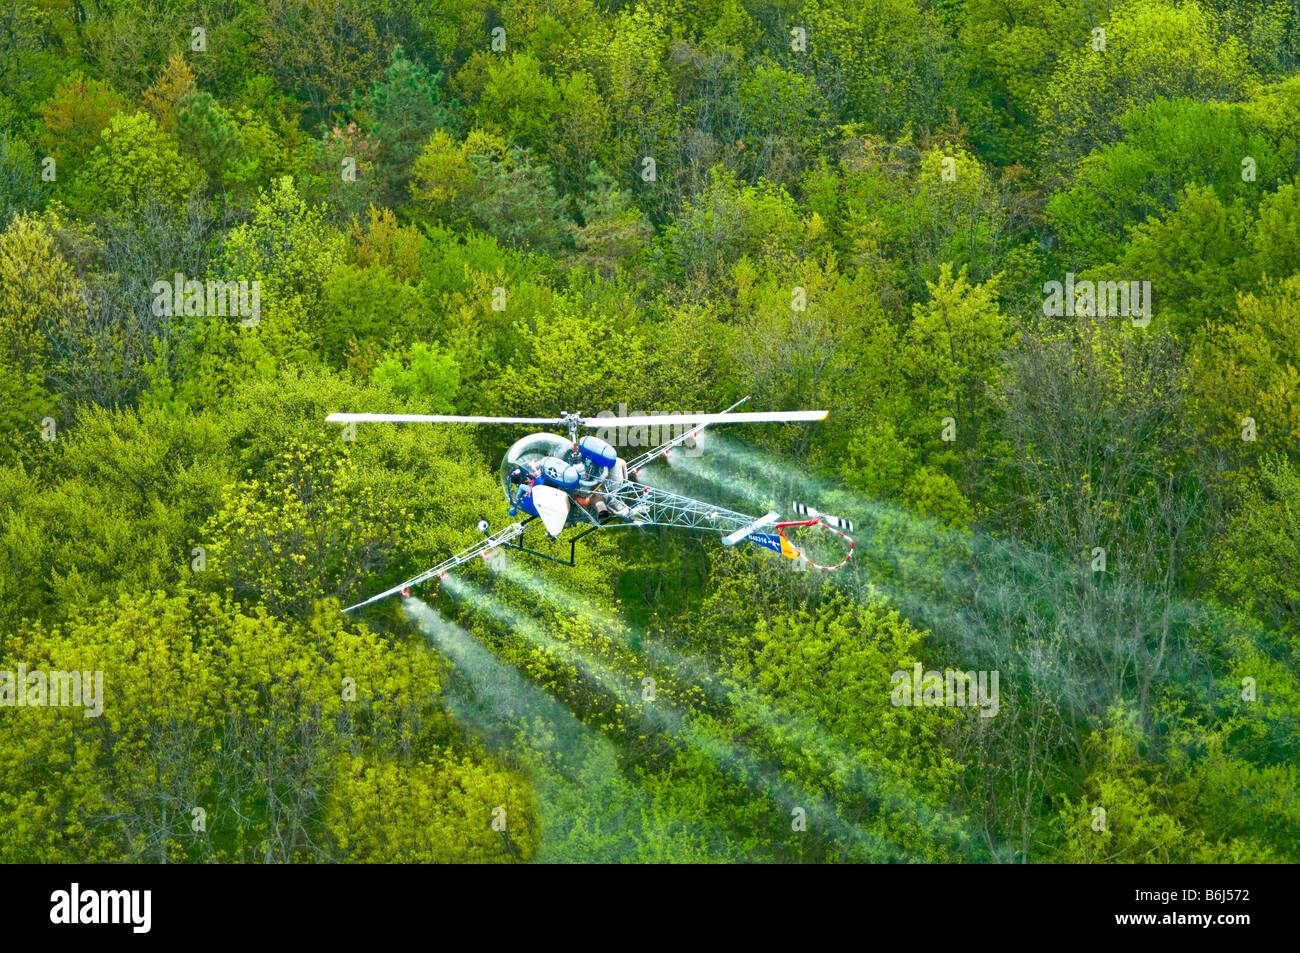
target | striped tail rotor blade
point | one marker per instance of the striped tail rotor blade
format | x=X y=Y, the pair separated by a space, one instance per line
x=834 y=522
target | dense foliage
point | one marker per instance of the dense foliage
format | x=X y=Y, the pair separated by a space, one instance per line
x=543 y=205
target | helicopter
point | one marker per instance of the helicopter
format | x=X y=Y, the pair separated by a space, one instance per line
x=581 y=481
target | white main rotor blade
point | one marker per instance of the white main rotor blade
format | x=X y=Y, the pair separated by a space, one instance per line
x=648 y=420
x=789 y=416
x=436 y=419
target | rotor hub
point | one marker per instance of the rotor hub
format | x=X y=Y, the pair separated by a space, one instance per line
x=571 y=422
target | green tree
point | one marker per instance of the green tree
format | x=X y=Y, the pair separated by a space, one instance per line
x=229 y=736
x=515 y=200
x=426 y=376
x=1256 y=561
x=211 y=135
x=19 y=189
x=1167 y=147
x=360 y=305
x=613 y=230
x=1243 y=366
x=401 y=111
x=134 y=162
x=73 y=120
x=1152 y=49
x=321 y=50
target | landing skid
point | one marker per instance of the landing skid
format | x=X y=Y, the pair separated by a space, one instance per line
x=573 y=541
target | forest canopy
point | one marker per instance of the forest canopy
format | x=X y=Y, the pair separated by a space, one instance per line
x=1039 y=260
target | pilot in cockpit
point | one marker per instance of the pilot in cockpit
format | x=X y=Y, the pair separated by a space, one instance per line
x=521 y=483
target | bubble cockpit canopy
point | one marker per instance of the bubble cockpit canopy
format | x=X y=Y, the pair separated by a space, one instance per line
x=527 y=454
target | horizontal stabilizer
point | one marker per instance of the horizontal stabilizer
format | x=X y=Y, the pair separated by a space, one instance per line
x=753 y=527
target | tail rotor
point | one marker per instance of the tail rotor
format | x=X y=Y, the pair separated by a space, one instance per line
x=834 y=522
x=810 y=547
